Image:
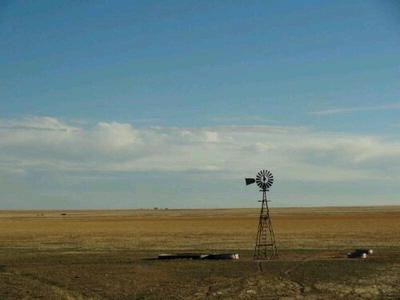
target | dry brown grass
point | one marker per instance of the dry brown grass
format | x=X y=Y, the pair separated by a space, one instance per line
x=199 y=229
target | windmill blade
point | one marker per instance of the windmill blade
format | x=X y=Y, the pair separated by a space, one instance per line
x=264 y=179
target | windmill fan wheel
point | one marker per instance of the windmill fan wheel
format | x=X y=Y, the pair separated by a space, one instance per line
x=264 y=179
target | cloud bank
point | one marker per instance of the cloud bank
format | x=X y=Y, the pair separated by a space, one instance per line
x=48 y=144
x=341 y=110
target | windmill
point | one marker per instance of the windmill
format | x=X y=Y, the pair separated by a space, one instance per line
x=265 y=242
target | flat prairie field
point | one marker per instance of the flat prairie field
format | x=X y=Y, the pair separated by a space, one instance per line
x=111 y=254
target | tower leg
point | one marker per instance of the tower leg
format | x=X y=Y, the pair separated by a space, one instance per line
x=265 y=242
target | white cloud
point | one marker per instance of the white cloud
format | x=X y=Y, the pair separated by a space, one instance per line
x=341 y=110
x=293 y=153
x=36 y=123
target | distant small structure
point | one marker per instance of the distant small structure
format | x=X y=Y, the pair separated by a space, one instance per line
x=360 y=253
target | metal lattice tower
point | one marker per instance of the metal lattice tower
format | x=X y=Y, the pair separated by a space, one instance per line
x=265 y=242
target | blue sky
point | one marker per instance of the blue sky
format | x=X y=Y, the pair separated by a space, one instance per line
x=135 y=104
